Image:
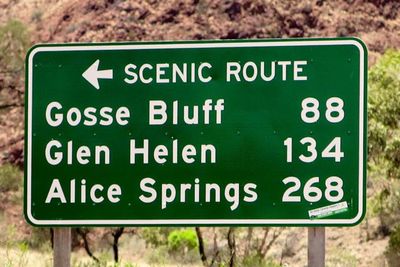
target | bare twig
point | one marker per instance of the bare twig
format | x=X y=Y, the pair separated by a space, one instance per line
x=11 y=71
x=52 y=237
x=275 y=235
x=263 y=241
x=248 y=241
x=15 y=88
x=83 y=235
x=11 y=105
x=216 y=249
x=283 y=248
x=12 y=142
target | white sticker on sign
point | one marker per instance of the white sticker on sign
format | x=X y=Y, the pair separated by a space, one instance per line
x=328 y=210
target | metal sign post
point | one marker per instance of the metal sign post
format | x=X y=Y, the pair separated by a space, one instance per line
x=316 y=247
x=62 y=247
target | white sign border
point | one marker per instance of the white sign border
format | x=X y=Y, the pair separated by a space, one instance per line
x=196 y=221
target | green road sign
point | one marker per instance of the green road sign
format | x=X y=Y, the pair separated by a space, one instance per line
x=261 y=132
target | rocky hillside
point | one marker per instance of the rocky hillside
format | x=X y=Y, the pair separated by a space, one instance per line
x=377 y=22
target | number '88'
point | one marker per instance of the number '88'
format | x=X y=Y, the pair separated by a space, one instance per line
x=334 y=110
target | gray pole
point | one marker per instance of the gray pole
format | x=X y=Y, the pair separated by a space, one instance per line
x=316 y=247
x=62 y=247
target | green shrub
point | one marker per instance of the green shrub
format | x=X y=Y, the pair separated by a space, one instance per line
x=392 y=252
x=39 y=238
x=158 y=255
x=15 y=250
x=384 y=108
x=185 y=239
x=377 y=136
x=14 y=42
x=394 y=240
x=255 y=260
x=340 y=257
x=37 y=16
x=393 y=156
x=155 y=236
x=384 y=138
x=10 y=178
x=384 y=82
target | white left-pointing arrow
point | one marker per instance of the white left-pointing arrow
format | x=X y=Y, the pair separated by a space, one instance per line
x=93 y=74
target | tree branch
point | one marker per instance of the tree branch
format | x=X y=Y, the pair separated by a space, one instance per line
x=232 y=246
x=202 y=253
x=11 y=105
x=83 y=235
x=263 y=241
x=275 y=235
x=117 y=234
x=248 y=241
x=216 y=249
